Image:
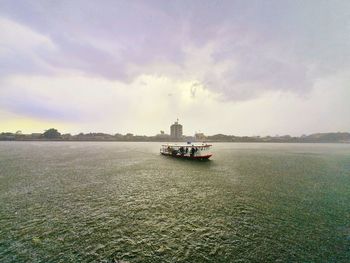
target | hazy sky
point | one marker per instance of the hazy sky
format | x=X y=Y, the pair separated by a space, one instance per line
x=233 y=67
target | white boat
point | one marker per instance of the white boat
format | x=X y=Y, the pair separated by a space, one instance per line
x=195 y=151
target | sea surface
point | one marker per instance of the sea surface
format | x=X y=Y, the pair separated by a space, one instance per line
x=123 y=202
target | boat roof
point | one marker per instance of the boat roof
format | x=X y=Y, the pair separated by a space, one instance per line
x=189 y=144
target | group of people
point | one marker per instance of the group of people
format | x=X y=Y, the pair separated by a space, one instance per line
x=183 y=150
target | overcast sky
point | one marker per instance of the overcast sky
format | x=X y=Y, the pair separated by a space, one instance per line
x=233 y=67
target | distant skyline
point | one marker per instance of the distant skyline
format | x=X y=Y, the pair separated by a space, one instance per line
x=231 y=67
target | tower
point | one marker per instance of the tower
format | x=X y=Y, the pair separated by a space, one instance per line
x=176 y=130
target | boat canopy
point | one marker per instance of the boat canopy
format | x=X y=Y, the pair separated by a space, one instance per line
x=178 y=145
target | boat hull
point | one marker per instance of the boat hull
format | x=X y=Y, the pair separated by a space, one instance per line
x=202 y=157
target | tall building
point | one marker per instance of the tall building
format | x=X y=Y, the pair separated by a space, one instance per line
x=176 y=130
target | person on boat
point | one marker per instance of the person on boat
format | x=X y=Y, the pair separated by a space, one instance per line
x=182 y=150
x=192 y=151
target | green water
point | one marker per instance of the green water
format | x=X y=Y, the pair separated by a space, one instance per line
x=123 y=202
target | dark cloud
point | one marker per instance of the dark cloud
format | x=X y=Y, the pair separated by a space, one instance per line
x=274 y=45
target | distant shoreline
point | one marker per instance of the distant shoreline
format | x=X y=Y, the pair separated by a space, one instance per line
x=54 y=135
x=286 y=142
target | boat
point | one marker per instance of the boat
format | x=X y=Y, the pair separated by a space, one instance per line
x=193 y=151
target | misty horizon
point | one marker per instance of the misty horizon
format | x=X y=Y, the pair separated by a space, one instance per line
x=163 y=135
x=167 y=133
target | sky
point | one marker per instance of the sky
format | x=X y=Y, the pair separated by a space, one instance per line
x=266 y=67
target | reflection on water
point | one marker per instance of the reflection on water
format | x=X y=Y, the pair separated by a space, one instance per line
x=81 y=201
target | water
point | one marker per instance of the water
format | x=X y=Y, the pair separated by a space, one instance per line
x=123 y=202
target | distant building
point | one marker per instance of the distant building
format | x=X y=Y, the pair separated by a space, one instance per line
x=200 y=137
x=162 y=136
x=176 y=130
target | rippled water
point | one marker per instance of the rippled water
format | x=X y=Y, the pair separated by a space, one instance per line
x=123 y=202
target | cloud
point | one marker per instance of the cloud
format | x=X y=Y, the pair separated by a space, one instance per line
x=21 y=49
x=240 y=50
x=65 y=97
x=122 y=66
x=99 y=104
x=79 y=103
